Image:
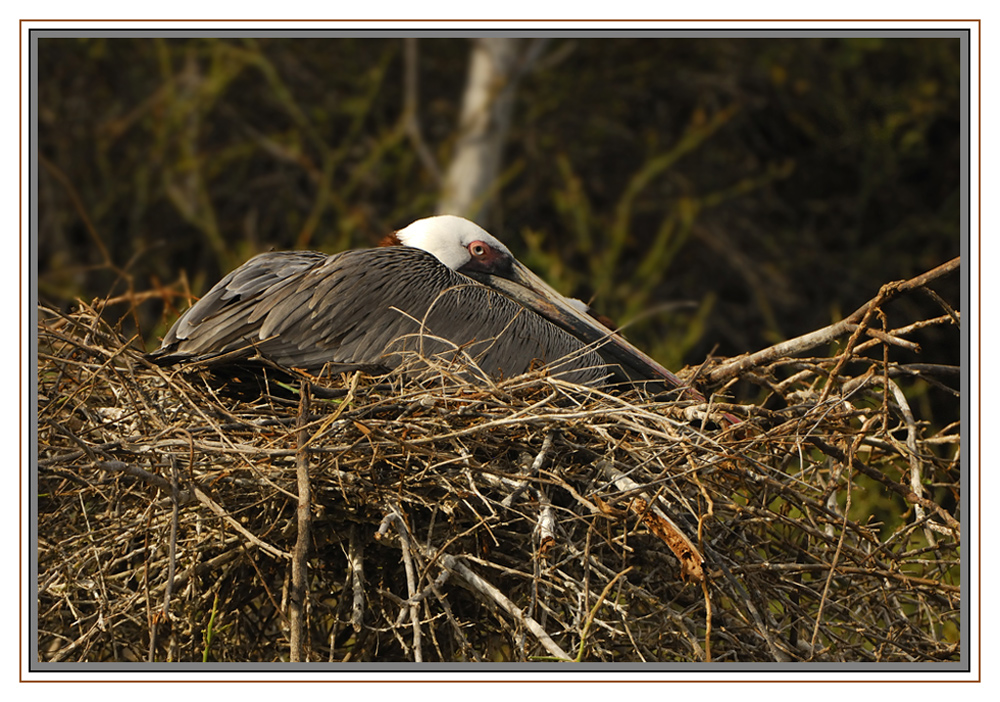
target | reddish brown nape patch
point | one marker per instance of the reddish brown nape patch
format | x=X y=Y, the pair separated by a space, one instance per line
x=390 y=240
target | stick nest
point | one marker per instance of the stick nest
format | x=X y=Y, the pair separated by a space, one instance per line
x=422 y=517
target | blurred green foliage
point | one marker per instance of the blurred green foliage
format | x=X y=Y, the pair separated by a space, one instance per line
x=711 y=194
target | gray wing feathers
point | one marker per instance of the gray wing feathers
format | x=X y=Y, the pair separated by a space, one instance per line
x=305 y=309
x=259 y=274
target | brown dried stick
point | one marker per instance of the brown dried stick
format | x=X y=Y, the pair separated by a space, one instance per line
x=660 y=524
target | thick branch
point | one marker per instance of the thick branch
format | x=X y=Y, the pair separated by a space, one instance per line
x=825 y=335
x=492 y=593
x=300 y=554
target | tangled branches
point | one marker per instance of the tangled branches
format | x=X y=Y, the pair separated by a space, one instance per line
x=419 y=517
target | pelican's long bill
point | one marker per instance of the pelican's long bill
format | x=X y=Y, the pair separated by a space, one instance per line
x=526 y=288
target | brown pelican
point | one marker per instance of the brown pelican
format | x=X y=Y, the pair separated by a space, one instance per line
x=449 y=289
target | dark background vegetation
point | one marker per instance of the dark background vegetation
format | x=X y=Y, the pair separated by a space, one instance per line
x=715 y=195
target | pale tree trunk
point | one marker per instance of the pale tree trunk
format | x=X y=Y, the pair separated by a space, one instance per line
x=471 y=179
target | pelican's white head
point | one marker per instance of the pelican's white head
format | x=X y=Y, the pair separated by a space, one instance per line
x=466 y=247
x=455 y=241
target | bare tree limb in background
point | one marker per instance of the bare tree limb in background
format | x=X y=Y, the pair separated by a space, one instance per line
x=495 y=68
x=411 y=109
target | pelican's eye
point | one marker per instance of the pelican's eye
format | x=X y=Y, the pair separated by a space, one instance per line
x=478 y=249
